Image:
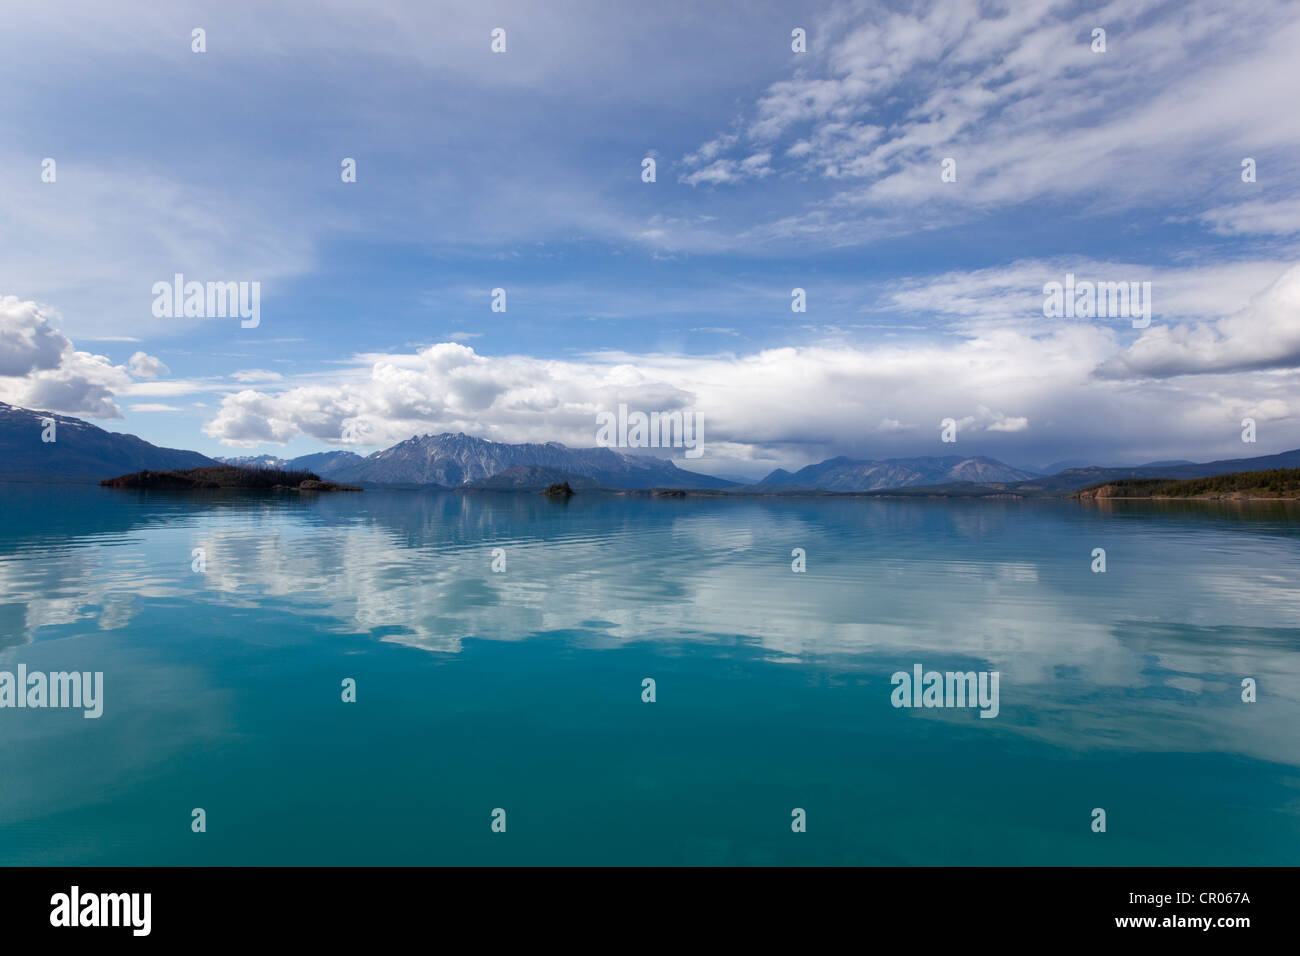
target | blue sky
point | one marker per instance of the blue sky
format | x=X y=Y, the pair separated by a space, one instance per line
x=775 y=170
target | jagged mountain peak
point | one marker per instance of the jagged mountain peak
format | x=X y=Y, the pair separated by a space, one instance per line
x=849 y=474
x=456 y=459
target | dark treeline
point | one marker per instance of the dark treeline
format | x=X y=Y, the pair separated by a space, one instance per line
x=219 y=476
x=1273 y=483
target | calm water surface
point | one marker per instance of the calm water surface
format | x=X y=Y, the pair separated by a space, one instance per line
x=522 y=690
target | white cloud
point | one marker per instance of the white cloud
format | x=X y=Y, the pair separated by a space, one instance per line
x=83 y=384
x=1255 y=217
x=1005 y=424
x=724 y=171
x=256 y=375
x=715 y=174
x=28 y=342
x=40 y=368
x=1011 y=296
x=1028 y=110
x=710 y=150
x=142 y=365
x=1264 y=335
x=1014 y=391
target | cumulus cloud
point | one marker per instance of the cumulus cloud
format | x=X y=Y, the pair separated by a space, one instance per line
x=1264 y=335
x=28 y=343
x=1011 y=391
x=142 y=365
x=40 y=368
x=83 y=384
x=1016 y=383
x=1006 y=424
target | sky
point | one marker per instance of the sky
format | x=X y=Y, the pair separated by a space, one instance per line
x=824 y=170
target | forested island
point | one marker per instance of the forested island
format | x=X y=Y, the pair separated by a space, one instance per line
x=226 y=477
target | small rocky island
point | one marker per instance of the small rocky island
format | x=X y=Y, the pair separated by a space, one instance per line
x=226 y=477
x=558 y=489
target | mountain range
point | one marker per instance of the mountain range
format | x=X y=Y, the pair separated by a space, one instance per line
x=255 y=461
x=81 y=451
x=846 y=474
x=460 y=460
x=1072 y=479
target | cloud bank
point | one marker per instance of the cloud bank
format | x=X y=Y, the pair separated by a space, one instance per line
x=1060 y=384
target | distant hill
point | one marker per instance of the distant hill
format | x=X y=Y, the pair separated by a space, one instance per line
x=954 y=478
x=847 y=474
x=532 y=478
x=80 y=451
x=1058 y=466
x=1286 y=459
x=1073 y=479
x=325 y=463
x=1273 y=483
x=461 y=460
x=322 y=462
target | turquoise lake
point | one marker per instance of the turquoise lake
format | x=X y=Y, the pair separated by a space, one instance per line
x=522 y=689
